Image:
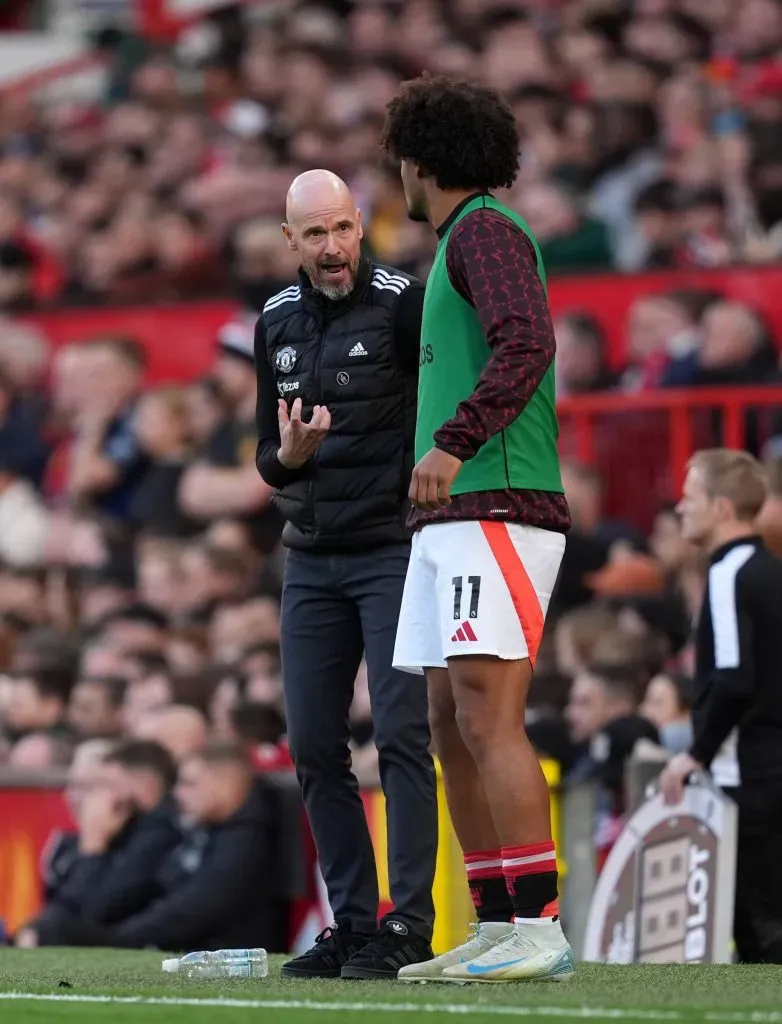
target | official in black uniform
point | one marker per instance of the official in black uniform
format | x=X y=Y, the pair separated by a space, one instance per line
x=739 y=681
x=337 y=360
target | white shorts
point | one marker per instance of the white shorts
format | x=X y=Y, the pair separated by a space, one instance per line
x=476 y=588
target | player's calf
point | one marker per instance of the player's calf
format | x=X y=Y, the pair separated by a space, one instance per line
x=490 y=697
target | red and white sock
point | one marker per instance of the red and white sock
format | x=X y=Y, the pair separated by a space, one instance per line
x=532 y=882
x=488 y=890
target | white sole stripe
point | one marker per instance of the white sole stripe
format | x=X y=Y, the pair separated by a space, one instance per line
x=447 y=1009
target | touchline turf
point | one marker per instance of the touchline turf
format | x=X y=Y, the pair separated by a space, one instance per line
x=110 y=987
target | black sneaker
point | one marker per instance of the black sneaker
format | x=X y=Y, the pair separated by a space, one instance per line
x=395 y=946
x=332 y=949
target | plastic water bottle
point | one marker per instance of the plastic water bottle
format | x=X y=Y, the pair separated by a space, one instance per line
x=220 y=963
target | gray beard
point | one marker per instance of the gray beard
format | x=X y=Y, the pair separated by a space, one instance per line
x=336 y=293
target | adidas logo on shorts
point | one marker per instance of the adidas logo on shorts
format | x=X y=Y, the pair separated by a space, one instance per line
x=464 y=632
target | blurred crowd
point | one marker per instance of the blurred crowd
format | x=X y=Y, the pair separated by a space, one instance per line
x=140 y=556
x=140 y=562
x=140 y=573
x=650 y=138
x=676 y=339
x=139 y=646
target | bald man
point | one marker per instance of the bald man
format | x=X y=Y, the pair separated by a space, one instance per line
x=337 y=358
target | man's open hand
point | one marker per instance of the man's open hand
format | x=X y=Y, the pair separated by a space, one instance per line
x=433 y=477
x=299 y=440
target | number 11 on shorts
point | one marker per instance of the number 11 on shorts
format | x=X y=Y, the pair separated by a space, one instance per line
x=474 y=583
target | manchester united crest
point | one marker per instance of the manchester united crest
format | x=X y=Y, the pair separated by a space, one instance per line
x=286 y=359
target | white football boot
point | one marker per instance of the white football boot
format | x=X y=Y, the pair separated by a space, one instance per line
x=532 y=952
x=482 y=938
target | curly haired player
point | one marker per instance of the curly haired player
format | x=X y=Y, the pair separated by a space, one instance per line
x=490 y=518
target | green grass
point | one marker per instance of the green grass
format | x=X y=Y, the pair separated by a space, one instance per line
x=752 y=995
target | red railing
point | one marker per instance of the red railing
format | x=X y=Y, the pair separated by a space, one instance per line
x=640 y=443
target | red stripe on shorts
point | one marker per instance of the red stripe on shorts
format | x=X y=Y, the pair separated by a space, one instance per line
x=522 y=593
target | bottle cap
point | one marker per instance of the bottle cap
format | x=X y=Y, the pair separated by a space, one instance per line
x=171 y=966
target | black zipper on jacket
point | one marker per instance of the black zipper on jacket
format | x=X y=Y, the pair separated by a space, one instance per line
x=317 y=312
x=317 y=394
x=314 y=305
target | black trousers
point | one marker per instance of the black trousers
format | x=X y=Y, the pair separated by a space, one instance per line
x=757 y=927
x=334 y=609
